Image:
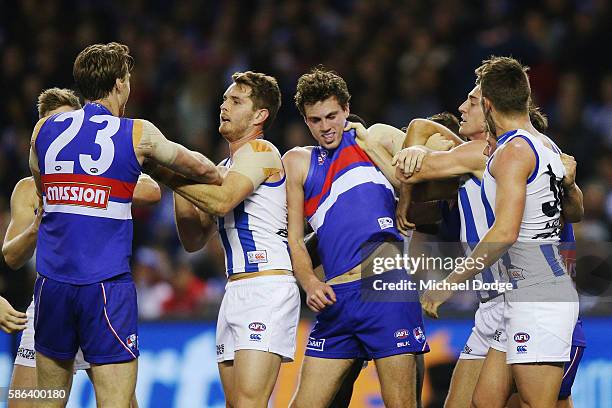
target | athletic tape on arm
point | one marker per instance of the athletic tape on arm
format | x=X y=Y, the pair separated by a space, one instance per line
x=257 y=161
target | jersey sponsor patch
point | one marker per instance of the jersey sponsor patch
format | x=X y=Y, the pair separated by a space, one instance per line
x=385 y=222
x=256 y=257
x=79 y=194
x=315 y=344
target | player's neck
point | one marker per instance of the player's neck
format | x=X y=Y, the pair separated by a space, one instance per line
x=253 y=134
x=504 y=124
x=111 y=104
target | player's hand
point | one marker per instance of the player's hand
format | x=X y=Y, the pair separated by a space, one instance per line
x=570 y=169
x=10 y=319
x=438 y=142
x=39 y=213
x=360 y=131
x=401 y=215
x=319 y=295
x=432 y=299
x=409 y=160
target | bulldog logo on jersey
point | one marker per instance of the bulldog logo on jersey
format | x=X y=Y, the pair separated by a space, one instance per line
x=418 y=334
x=321 y=157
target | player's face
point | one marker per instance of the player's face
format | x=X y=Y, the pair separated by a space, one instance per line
x=472 y=123
x=124 y=93
x=237 y=111
x=326 y=120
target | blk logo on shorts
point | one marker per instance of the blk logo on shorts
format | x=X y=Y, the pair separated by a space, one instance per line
x=497 y=335
x=315 y=344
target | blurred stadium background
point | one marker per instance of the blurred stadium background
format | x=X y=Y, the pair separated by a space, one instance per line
x=401 y=59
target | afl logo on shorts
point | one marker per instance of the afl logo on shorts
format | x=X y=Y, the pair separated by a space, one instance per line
x=257 y=326
x=402 y=334
x=521 y=337
x=418 y=334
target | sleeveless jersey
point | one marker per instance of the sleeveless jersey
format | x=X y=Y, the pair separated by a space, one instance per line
x=473 y=228
x=88 y=172
x=254 y=234
x=349 y=204
x=535 y=256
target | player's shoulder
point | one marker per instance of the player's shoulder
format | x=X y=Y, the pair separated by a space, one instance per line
x=24 y=189
x=298 y=158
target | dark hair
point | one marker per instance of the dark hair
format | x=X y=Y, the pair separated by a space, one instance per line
x=356 y=119
x=319 y=85
x=537 y=117
x=53 y=98
x=504 y=81
x=265 y=92
x=446 y=119
x=98 y=66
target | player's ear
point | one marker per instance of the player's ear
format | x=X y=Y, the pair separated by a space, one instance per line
x=260 y=116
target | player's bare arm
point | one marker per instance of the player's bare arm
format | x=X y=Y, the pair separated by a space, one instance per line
x=511 y=168
x=150 y=143
x=252 y=164
x=572 y=202
x=146 y=192
x=466 y=158
x=318 y=294
x=419 y=131
x=22 y=232
x=195 y=227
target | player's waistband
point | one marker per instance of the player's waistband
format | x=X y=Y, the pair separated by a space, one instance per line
x=259 y=280
x=120 y=277
x=393 y=276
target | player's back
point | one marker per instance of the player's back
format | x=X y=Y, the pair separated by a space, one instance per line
x=534 y=257
x=348 y=203
x=88 y=173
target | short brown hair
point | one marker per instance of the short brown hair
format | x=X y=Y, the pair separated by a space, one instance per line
x=504 y=81
x=265 y=92
x=319 y=85
x=53 y=98
x=98 y=66
x=537 y=117
x=446 y=119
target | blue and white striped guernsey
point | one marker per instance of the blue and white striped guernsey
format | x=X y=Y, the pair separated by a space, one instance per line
x=473 y=227
x=254 y=234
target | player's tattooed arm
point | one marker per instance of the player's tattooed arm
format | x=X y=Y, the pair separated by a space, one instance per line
x=572 y=202
x=22 y=232
x=253 y=164
x=150 y=143
x=318 y=294
x=146 y=192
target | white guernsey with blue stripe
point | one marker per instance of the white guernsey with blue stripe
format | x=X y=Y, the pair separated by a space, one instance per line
x=254 y=234
x=473 y=227
x=534 y=257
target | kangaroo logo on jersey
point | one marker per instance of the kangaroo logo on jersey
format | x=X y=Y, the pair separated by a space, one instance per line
x=80 y=194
